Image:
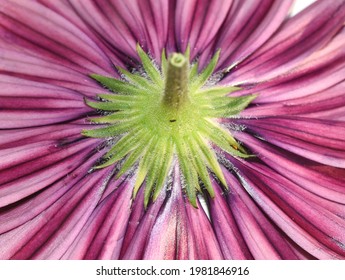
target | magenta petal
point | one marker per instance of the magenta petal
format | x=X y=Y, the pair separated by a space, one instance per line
x=182 y=231
x=63 y=39
x=60 y=133
x=17 y=87
x=285 y=202
x=263 y=239
x=324 y=104
x=64 y=219
x=299 y=37
x=103 y=234
x=226 y=229
x=139 y=227
x=31 y=176
x=206 y=242
x=311 y=226
x=33 y=68
x=92 y=14
x=152 y=15
x=248 y=26
x=198 y=22
x=29 y=118
x=317 y=73
x=297 y=169
x=321 y=141
x=25 y=210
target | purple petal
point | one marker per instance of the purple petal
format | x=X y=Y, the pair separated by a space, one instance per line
x=29 y=67
x=321 y=71
x=152 y=15
x=299 y=37
x=33 y=175
x=198 y=22
x=263 y=239
x=57 y=226
x=25 y=210
x=226 y=229
x=64 y=41
x=248 y=26
x=321 y=141
x=182 y=231
x=103 y=234
x=17 y=87
x=311 y=226
x=29 y=118
x=205 y=240
x=60 y=133
x=92 y=14
x=325 y=104
x=297 y=169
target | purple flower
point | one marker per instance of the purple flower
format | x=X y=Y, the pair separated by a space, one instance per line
x=249 y=165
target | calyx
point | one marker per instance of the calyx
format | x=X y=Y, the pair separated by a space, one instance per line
x=167 y=116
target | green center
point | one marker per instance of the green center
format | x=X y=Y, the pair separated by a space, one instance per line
x=164 y=117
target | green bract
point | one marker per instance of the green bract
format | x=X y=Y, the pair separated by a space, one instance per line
x=169 y=116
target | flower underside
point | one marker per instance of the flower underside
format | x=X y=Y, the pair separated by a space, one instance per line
x=166 y=115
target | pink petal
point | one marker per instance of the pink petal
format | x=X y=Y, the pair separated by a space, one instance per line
x=250 y=24
x=299 y=37
x=181 y=231
x=263 y=239
x=102 y=235
x=297 y=169
x=25 y=210
x=311 y=226
x=33 y=175
x=139 y=226
x=320 y=105
x=29 y=67
x=64 y=218
x=63 y=39
x=226 y=229
x=198 y=22
x=321 y=141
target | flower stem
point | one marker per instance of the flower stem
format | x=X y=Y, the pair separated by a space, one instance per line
x=176 y=86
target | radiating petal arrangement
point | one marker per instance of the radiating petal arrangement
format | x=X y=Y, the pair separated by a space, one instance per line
x=260 y=176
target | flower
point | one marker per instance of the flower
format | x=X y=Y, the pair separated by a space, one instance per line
x=264 y=181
